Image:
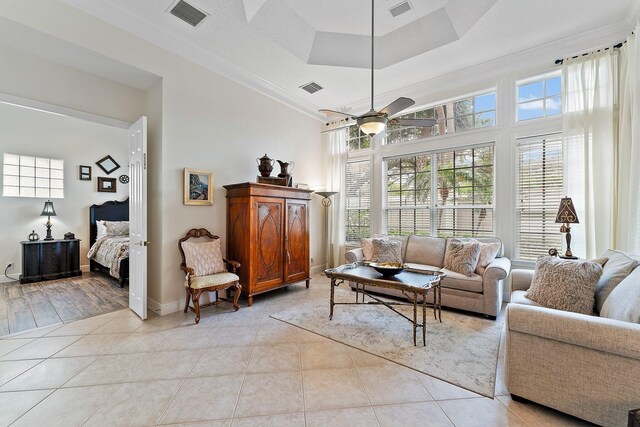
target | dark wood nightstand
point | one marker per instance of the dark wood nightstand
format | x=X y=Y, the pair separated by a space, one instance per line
x=50 y=259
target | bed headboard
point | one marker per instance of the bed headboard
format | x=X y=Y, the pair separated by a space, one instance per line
x=108 y=211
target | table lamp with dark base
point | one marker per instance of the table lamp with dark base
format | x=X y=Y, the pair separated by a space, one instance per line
x=567 y=215
x=48 y=211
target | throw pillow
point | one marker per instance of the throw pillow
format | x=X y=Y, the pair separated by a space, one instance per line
x=387 y=251
x=623 y=302
x=488 y=252
x=205 y=258
x=565 y=285
x=462 y=257
x=366 y=243
x=117 y=228
x=101 y=229
x=615 y=270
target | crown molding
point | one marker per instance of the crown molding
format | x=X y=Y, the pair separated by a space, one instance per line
x=130 y=23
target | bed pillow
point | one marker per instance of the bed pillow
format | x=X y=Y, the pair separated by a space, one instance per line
x=205 y=258
x=565 y=284
x=387 y=251
x=101 y=229
x=117 y=228
x=462 y=257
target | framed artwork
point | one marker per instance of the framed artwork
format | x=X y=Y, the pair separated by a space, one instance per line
x=198 y=187
x=108 y=164
x=106 y=185
x=84 y=172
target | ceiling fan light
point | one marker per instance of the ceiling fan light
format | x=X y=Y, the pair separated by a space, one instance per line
x=372 y=125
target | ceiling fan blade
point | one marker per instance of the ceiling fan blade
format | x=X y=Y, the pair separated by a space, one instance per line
x=397 y=105
x=413 y=122
x=333 y=112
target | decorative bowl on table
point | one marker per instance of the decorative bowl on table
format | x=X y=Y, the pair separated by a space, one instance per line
x=387 y=269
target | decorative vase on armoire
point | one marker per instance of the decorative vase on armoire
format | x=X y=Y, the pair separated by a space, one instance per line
x=268 y=233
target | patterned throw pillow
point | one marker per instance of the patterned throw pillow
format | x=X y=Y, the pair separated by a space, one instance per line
x=488 y=252
x=387 y=251
x=205 y=258
x=462 y=257
x=565 y=285
x=366 y=243
x=117 y=228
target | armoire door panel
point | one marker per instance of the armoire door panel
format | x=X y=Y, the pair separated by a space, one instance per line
x=237 y=243
x=296 y=241
x=270 y=240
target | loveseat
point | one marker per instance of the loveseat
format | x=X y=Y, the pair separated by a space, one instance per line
x=585 y=365
x=480 y=293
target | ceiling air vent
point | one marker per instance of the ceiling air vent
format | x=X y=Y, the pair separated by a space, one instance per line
x=311 y=87
x=399 y=9
x=188 y=13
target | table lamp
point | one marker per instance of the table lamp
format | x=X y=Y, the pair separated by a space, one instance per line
x=567 y=215
x=48 y=211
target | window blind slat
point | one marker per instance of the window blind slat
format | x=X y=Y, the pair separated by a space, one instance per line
x=358 y=200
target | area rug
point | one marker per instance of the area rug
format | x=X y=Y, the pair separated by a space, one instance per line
x=462 y=350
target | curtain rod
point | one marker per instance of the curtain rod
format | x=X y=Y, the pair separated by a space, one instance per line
x=615 y=46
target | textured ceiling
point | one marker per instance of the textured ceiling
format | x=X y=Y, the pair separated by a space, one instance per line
x=282 y=44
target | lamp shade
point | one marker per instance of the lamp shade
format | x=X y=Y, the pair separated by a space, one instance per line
x=48 y=209
x=326 y=194
x=566 y=212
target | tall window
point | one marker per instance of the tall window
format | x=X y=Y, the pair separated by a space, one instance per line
x=28 y=176
x=540 y=176
x=540 y=97
x=358 y=200
x=464 y=114
x=356 y=140
x=441 y=194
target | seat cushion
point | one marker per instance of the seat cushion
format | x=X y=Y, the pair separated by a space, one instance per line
x=623 y=302
x=205 y=258
x=618 y=266
x=462 y=282
x=519 y=297
x=217 y=279
x=425 y=250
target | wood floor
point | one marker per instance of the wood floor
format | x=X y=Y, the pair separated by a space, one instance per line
x=34 y=305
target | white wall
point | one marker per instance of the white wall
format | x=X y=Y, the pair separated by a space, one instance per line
x=207 y=122
x=77 y=142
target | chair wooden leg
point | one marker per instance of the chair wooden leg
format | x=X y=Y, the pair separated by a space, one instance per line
x=186 y=303
x=236 y=296
x=195 y=297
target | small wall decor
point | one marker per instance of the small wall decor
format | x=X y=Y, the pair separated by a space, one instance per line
x=124 y=179
x=198 y=187
x=108 y=164
x=84 y=173
x=106 y=185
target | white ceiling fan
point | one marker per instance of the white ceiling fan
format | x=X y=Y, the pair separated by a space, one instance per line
x=373 y=122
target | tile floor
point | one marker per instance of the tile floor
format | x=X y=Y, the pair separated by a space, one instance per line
x=233 y=369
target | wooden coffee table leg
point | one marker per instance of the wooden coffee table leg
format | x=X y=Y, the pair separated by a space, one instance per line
x=333 y=285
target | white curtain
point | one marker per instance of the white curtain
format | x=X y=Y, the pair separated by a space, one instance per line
x=628 y=206
x=336 y=149
x=589 y=144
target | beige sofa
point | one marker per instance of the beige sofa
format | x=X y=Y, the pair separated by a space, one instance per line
x=479 y=293
x=584 y=365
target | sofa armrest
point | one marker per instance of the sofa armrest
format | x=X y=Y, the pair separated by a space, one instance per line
x=498 y=269
x=354 y=255
x=521 y=279
x=597 y=333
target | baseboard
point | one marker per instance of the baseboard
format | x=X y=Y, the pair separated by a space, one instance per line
x=12 y=277
x=317 y=269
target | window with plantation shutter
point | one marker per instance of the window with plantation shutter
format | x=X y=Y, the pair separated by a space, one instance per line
x=540 y=178
x=448 y=193
x=358 y=197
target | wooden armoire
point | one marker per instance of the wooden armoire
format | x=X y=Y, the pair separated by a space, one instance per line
x=268 y=234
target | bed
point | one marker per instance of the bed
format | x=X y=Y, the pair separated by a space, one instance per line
x=109 y=211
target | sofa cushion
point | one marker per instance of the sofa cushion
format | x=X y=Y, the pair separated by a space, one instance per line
x=623 y=303
x=426 y=250
x=387 y=251
x=619 y=266
x=462 y=257
x=520 y=297
x=565 y=284
x=462 y=282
